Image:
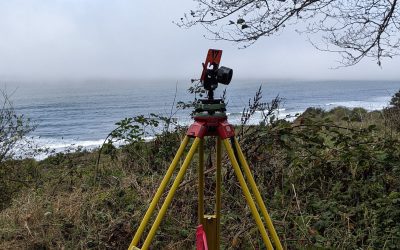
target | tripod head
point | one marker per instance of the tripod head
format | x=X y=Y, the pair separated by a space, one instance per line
x=210 y=77
x=213 y=74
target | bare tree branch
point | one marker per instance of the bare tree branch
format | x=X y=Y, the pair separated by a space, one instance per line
x=355 y=29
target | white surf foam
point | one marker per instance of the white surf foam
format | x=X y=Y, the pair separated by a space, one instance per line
x=377 y=103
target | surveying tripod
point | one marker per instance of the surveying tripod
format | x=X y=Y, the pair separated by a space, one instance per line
x=209 y=120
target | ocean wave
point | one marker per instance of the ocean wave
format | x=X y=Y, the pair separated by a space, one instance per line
x=42 y=147
x=54 y=143
x=256 y=112
x=374 y=104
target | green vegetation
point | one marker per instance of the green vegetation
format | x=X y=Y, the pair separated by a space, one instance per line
x=13 y=129
x=330 y=179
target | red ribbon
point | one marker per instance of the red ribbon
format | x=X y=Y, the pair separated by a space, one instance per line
x=201 y=239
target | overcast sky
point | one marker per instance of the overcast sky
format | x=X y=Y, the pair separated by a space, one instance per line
x=125 y=39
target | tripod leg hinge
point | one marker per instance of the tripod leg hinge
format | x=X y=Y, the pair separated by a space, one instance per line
x=197 y=129
x=225 y=130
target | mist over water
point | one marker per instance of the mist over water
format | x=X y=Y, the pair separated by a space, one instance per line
x=83 y=113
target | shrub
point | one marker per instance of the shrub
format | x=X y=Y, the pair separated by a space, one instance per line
x=13 y=142
x=392 y=113
x=395 y=101
x=13 y=129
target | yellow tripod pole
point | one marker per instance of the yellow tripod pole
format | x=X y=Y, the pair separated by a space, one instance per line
x=258 y=197
x=235 y=155
x=158 y=194
x=247 y=194
x=200 y=190
x=218 y=189
x=170 y=195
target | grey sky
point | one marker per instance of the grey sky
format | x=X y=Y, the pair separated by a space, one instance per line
x=86 y=39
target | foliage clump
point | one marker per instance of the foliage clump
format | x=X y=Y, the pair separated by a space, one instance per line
x=14 y=143
x=392 y=113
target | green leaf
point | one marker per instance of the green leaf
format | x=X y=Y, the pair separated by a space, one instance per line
x=240 y=21
x=372 y=127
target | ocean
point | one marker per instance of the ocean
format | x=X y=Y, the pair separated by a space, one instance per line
x=83 y=113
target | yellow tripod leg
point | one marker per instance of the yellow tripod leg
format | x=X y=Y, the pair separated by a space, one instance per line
x=247 y=194
x=200 y=191
x=218 y=189
x=258 y=197
x=158 y=194
x=170 y=195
